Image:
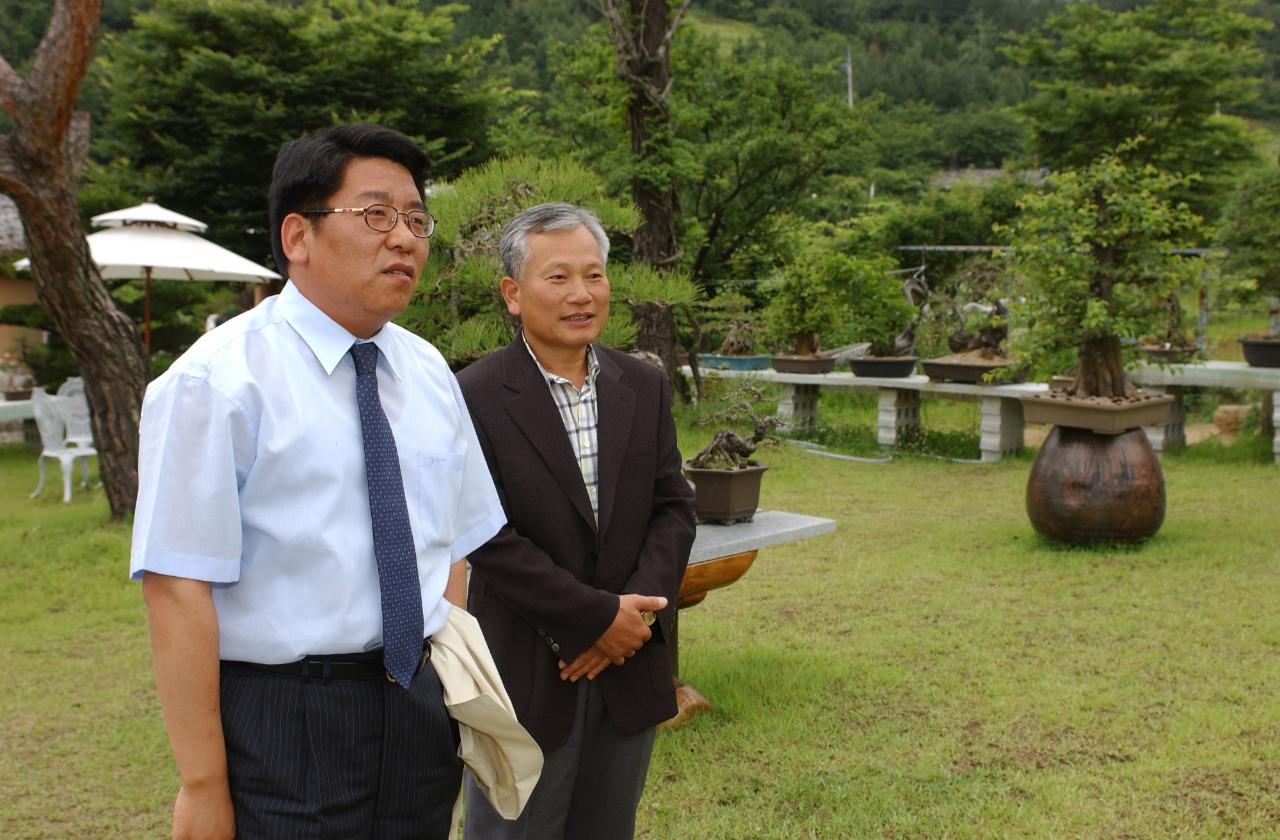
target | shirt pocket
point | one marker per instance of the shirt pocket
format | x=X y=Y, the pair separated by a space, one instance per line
x=439 y=494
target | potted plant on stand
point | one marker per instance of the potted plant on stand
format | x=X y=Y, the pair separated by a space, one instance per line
x=729 y=316
x=1095 y=254
x=1172 y=345
x=880 y=312
x=725 y=476
x=804 y=306
x=975 y=303
x=1252 y=239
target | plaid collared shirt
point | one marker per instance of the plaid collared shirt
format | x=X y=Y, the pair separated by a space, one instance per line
x=581 y=421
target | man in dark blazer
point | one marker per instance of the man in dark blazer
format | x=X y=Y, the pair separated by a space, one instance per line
x=577 y=593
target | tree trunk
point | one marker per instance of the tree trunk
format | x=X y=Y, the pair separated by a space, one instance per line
x=1101 y=372
x=806 y=344
x=642 y=35
x=656 y=333
x=648 y=73
x=102 y=339
x=40 y=163
x=655 y=238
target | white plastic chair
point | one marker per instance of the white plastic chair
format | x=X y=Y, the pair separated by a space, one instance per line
x=53 y=440
x=74 y=406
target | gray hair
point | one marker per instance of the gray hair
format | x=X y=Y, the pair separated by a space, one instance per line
x=544 y=218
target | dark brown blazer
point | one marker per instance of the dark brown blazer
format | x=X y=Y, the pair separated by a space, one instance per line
x=546 y=587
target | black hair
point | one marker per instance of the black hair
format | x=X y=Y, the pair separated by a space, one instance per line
x=309 y=170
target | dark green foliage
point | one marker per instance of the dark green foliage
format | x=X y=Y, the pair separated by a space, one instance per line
x=1250 y=228
x=1171 y=71
x=805 y=304
x=531 y=32
x=965 y=214
x=762 y=142
x=1095 y=256
x=753 y=142
x=877 y=310
x=202 y=94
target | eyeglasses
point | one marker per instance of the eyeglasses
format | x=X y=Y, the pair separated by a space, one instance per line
x=383 y=218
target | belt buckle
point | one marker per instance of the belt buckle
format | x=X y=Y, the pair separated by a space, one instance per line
x=422 y=660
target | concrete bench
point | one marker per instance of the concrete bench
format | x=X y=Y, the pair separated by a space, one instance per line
x=899 y=406
x=1002 y=423
x=1174 y=379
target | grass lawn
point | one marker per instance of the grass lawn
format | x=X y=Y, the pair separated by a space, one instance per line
x=933 y=669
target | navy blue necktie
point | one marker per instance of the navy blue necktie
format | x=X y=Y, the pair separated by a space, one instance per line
x=392 y=537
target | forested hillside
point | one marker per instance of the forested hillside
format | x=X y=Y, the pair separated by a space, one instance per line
x=791 y=121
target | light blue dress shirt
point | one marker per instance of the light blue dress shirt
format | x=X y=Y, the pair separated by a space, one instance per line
x=251 y=476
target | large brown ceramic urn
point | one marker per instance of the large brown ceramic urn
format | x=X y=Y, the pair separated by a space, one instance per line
x=1087 y=487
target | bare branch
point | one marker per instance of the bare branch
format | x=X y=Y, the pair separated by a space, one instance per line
x=675 y=24
x=10 y=83
x=11 y=177
x=62 y=61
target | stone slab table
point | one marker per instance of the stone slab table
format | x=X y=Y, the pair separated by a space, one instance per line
x=722 y=554
x=1174 y=378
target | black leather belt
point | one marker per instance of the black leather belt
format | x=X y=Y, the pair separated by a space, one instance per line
x=338 y=666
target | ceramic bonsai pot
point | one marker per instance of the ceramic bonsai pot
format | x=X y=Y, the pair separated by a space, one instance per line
x=722 y=362
x=890 y=367
x=965 y=367
x=1261 y=352
x=804 y=364
x=725 y=496
x=1168 y=354
x=1104 y=415
x=14 y=394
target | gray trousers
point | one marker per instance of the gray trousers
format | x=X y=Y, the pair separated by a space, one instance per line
x=589 y=788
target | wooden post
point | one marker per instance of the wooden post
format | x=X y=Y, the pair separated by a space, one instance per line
x=146 y=311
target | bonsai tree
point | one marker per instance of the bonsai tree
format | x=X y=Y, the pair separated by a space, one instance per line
x=1252 y=238
x=879 y=311
x=968 y=313
x=729 y=316
x=728 y=450
x=804 y=304
x=1095 y=255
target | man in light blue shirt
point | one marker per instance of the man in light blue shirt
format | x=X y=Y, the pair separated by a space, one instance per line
x=303 y=499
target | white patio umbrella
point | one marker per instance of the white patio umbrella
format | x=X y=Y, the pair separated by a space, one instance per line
x=152 y=242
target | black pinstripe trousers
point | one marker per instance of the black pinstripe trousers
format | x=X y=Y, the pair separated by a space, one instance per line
x=312 y=759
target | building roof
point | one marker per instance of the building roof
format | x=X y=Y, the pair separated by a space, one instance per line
x=983 y=177
x=11 y=239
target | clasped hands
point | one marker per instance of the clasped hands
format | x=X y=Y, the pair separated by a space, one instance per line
x=626 y=635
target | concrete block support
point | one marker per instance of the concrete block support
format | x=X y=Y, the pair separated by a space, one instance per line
x=899 y=412
x=1002 y=427
x=1172 y=434
x=798 y=405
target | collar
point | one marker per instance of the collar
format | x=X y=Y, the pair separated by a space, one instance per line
x=593 y=365
x=328 y=340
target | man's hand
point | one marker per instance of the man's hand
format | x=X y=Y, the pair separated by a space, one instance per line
x=589 y=664
x=203 y=814
x=629 y=632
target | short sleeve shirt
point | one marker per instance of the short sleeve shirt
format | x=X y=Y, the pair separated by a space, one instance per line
x=251 y=476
